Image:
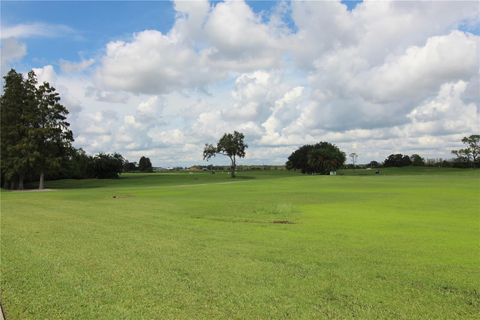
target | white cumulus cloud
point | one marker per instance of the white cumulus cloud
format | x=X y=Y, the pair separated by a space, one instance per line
x=386 y=77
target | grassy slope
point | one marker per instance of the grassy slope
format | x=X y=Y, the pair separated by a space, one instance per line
x=389 y=246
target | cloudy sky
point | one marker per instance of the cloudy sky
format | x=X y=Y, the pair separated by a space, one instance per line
x=161 y=79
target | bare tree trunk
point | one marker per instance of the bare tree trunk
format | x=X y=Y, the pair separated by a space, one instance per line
x=232 y=168
x=12 y=185
x=40 y=184
x=21 y=178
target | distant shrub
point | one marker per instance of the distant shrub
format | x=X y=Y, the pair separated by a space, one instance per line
x=320 y=158
x=107 y=166
x=374 y=164
x=397 y=160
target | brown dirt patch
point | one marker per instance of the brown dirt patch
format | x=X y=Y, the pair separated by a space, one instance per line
x=283 y=222
x=121 y=196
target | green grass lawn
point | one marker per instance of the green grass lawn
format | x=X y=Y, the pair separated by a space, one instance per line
x=401 y=245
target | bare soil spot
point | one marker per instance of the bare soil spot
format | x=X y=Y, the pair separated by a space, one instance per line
x=121 y=196
x=283 y=222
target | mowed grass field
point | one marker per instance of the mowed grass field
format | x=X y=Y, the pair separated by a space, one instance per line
x=401 y=245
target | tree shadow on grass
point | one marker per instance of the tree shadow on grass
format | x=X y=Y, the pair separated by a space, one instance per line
x=140 y=180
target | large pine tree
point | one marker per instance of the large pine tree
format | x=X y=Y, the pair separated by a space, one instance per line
x=17 y=120
x=10 y=101
x=35 y=135
x=52 y=136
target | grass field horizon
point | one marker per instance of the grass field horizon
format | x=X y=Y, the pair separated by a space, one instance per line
x=268 y=244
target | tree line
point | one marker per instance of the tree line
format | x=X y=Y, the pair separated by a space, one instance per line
x=35 y=135
x=324 y=157
x=80 y=165
x=36 y=143
x=467 y=157
x=36 y=140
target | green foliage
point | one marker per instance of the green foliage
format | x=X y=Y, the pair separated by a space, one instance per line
x=201 y=246
x=320 y=158
x=36 y=140
x=107 y=166
x=298 y=160
x=17 y=113
x=471 y=153
x=51 y=134
x=397 y=160
x=81 y=165
x=417 y=160
x=130 y=166
x=374 y=164
x=230 y=145
x=144 y=165
x=35 y=133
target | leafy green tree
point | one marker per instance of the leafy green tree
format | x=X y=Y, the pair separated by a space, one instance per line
x=374 y=164
x=473 y=143
x=231 y=145
x=320 y=158
x=51 y=135
x=298 y=160
x=130 y=166
x=417 y=160
x=463 y=155
x=107 y=166
x=397 y=160
x=80 y=165
x=471 y=153
x=144 y=165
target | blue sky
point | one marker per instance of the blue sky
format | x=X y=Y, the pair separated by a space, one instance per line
x=95 y=23
x=92 y=23
x=159 y=78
